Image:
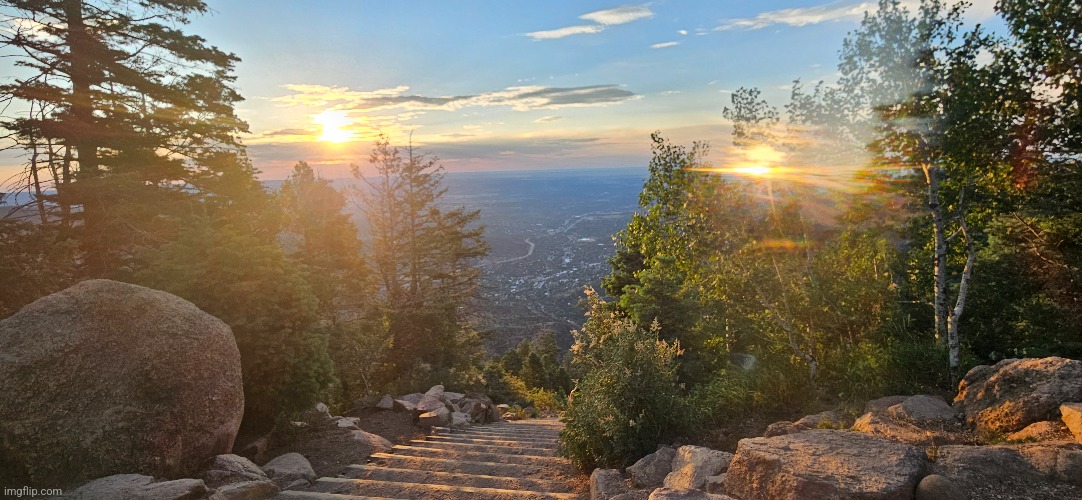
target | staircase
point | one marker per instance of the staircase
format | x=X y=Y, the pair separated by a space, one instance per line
x=505 y=460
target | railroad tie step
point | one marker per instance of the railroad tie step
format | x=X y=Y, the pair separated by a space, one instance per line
x=494 y=442
x=418 y=490
x=454 y=465
x=417 y=451
x=454 y=478
x=484 y=448
x=317 y=495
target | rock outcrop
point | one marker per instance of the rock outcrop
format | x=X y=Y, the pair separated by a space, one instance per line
x=1014 y=393
x=106 y=378
x=824 y=464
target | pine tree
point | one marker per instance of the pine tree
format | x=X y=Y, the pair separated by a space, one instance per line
x=126 y=118
x=422 y=256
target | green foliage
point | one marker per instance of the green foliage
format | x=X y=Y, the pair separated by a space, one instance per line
x=628 y=402
x=247 y=281
x=38 y=260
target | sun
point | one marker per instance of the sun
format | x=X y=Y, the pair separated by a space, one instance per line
x=756 y=170
x=334 y=123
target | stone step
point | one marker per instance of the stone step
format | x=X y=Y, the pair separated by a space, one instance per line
x=494 y=441
x=458 y=466
x=452 y=478
x=416 y=490
x=316 y=495
x=518 y=427
x=417 y=451
x=484 y=448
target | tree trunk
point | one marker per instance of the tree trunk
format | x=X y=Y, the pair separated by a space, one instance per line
x=953 y=343
x=942 y=313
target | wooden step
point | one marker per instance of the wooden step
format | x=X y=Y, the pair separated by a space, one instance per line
x=417 y=451
x=316 y=495
x=483 y=448
x=454 y=465
x=417 y=490
x=453 y=478
x=494 y=441
x=497 y=435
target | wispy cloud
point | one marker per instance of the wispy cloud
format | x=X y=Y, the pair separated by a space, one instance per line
x=839 y=10
x=564 y=32
x=618 y=15
x=602 y=18
x=523 y=98
x=664 y=44
x=547 y=119
x=834 y=11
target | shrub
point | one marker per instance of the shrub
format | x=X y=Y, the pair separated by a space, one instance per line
x=628 y=402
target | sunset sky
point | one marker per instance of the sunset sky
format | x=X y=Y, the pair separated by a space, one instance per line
x=512 y=85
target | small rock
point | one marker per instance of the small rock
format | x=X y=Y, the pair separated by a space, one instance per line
x=641 y=494
x=1071 y=414
x=693 y=464
x=607 y=483
x=436 y=418
x=511 y=416
x=650 y=471
x=251 y=490
x=823 y=420
x=227 y=469
x=378 y=443
x=682 y=494
x=936 y=487
x=436 y=391
x=323 y=410
x=139 y=487
x=922 y=408
x=387 y=403
x=880 y=405
x=287 y=469
x=781 y=428
x=348 y=422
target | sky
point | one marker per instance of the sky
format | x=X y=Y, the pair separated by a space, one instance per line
x=498 y=85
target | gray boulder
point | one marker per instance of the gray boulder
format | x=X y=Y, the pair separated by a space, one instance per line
x=139 y=487
x=904 y=431
x=436 y=391
x=1041 y=431
x=824 y=464
x=606 y=484
x=922 y=408
x=107 y=377
x=693 y=464
x=386 y=403
x=286 y=470
x=227 y=469
x=460 y=420
x=1014 y=393
x=882 y=404
x=429 y=403
x=250 y=490
x=650 y=471
x=936 y=487
x=376 y=442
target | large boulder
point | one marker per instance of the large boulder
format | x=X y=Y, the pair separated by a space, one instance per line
x=651 y=470
x=437 y=418
x=106 y=378
x=139 y=487
x=1014 y=393
x=693 y=464
x=905 y=431
x=1071 y=415
x=824 y=464
x=1041 y=431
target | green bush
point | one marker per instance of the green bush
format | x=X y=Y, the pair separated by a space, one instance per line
x=627 y=403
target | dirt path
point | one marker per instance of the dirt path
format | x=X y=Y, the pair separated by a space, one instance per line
x=506 y=460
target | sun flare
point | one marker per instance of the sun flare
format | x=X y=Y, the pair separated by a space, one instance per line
x=757 y=170
x=334 y=123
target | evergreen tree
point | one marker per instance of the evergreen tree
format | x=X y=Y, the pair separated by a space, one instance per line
x=423 y=257
x=126 y=117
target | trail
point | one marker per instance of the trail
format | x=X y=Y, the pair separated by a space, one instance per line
x=502 y=461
